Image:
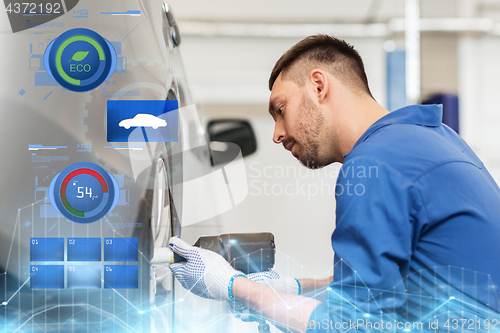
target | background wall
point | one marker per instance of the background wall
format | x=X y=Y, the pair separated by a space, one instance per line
x=479 y=87
x=232 y=70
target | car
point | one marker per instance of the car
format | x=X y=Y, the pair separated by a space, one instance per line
x=149 y=191
x=143 y=120
x=63 y=128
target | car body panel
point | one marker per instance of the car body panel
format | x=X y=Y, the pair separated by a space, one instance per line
x=49 y=128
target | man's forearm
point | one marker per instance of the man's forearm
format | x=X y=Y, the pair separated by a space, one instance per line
x=308 y=285
x=284 y=309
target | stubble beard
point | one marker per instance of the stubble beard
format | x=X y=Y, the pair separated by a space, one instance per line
x=310 y=125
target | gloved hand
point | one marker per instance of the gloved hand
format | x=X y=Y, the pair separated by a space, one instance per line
x=206 y=273
x=268 y=278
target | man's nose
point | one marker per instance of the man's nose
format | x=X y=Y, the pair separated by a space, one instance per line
x=279 y=132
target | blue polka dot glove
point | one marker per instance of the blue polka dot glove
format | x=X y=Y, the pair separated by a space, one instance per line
x=270 y=279
x=206 y=273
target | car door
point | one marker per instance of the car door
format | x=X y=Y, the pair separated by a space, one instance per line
x=58 y=274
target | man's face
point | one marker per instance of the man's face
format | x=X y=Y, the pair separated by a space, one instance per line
x=300 y=125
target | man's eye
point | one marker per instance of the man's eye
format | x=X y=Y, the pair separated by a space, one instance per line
x=280 y=110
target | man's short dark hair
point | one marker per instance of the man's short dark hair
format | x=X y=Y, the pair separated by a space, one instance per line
x=332 y=54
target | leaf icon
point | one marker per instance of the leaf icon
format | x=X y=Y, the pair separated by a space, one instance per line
x=79 y=56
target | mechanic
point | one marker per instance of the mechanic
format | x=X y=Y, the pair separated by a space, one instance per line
x=419 y=230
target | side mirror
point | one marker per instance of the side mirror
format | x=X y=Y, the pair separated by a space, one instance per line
x=224 y=131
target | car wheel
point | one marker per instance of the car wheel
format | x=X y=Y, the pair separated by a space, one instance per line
x=160 y=208
x=162 y=229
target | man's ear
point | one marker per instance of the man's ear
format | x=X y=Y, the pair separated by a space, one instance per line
x=320 y=84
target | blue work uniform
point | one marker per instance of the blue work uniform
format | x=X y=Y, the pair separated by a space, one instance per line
x=417 y=235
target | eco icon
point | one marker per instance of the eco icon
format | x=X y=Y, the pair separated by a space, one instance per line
x=80 y=60
x=79 y=55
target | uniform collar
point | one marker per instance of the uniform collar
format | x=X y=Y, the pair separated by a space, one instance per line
x=422 y=115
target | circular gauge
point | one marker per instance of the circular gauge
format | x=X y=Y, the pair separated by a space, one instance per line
x=80 y=59
x=84 y=192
